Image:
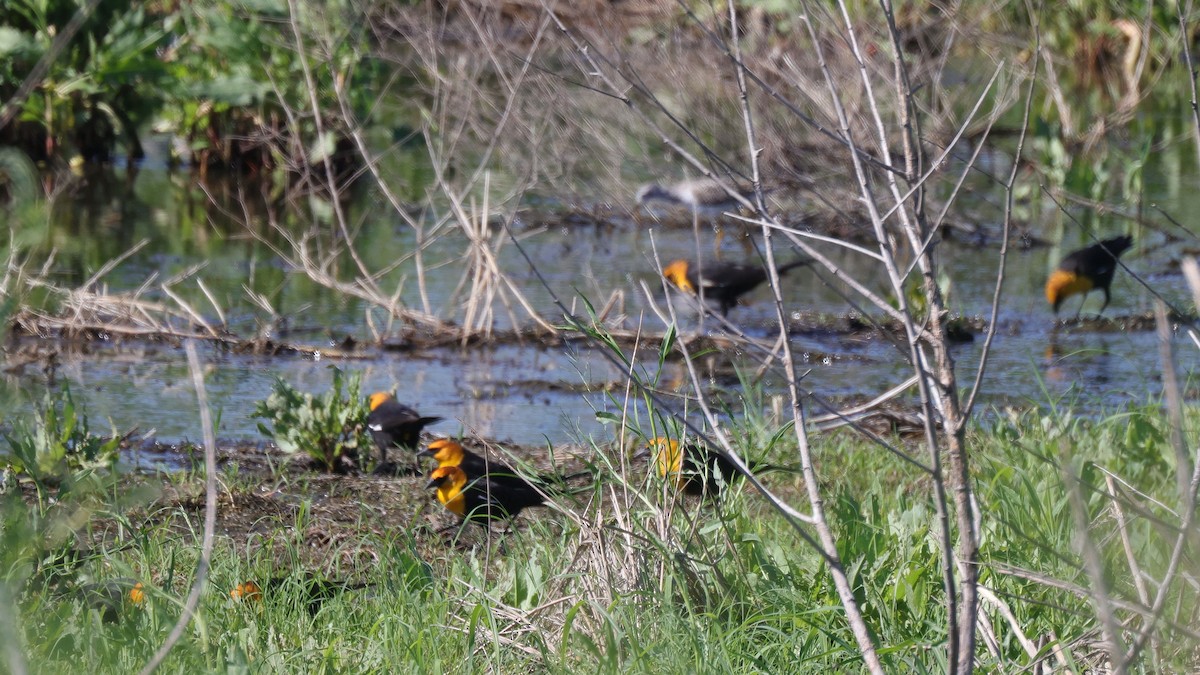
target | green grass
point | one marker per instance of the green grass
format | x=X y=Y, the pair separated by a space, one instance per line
x=661 y=587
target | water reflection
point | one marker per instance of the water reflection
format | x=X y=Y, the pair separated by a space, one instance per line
x=521 y=392
x=1087 y=361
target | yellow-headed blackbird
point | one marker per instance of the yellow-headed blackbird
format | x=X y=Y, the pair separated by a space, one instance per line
x=697 y=468
x=483 y=498
x=1086 y=270
x=451 y=453
x=109 y=596
x=313 y=590
x=393 y=424
x=723 y=282
x=247 y=590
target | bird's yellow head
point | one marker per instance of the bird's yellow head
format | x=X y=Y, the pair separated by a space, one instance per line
x=1062 y=285
x=449 y=481
x=378 y=398
x=137 y=594
x=445 y=451
x=247 y=590
x=677 y=273
x=668 y=457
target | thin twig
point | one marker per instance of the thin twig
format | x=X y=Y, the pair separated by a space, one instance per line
x=1094 y=566
x=858 y=625
x=929 y=390
x=1135 y=570
x=1191 y=272
x=318 y=120
x=1081 y=592
x=1173 y=400
x=998 y=289
x=1185 y=38
x=986 y=593
x=210 y=513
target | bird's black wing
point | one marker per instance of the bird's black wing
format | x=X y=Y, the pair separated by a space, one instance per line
x=493 y=497
x=391 y=414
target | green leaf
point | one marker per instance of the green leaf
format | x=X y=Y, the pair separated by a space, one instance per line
x=16 y=44
x=237 y=90
x=324 y=426
x=668 y=344
x=323 y=147
x=607 y=418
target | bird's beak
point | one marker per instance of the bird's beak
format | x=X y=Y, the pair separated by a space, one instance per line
x=644 y=453
x=433 y=483
x=426 y=453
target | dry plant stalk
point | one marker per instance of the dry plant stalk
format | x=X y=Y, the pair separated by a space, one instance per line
x=92 y=307
x=1188 y=488
x=210 y=515
x=1098 y=590
x=461 y=114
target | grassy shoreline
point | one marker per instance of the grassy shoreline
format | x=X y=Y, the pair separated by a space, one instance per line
x=631 y=578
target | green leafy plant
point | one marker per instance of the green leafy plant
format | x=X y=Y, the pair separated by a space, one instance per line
x=326 y=427
x=57 y=447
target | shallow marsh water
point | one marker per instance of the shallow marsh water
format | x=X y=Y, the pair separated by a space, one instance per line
x=531 y=394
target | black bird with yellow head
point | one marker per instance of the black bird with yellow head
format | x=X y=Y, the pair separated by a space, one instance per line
x=1086 y=270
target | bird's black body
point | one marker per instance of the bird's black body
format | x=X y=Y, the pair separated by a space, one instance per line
x=705 y=471
x=721 y=281
x=1087 y=269
x=393 y=424
x=451 y=453
x=314 y=591
x=510 y=493
x=109 y=597
x=483 y=498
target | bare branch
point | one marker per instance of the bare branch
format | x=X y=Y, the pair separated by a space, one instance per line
x=210 y=514
x=858 y=625
x=998 y=290
x=1098 y=586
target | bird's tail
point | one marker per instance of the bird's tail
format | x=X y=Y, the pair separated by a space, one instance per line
x=793 y=264
x=1117 y=245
